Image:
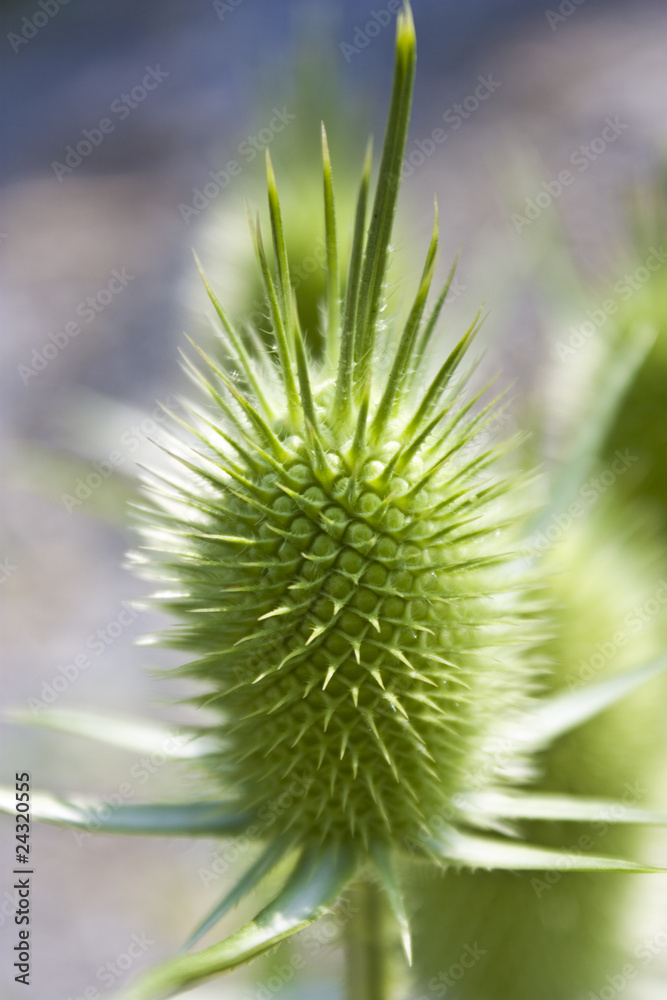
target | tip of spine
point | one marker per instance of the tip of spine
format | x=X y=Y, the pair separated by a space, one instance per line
x=270 y=175
x=406 y=37
x=368 y=158
x=326 y=159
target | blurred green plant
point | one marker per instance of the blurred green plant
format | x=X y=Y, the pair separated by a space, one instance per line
x=558 y=937
x=641 y=423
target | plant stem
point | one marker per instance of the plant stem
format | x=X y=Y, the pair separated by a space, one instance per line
x=366 y=945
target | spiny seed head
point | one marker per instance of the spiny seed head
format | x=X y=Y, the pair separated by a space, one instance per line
x=335 y=546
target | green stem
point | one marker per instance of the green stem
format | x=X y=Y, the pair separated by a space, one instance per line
x=366 y=945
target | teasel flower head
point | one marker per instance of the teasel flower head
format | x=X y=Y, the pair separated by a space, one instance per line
x=337 y=551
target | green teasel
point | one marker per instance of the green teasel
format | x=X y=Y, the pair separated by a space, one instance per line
x=338 y=548
x=342 y=545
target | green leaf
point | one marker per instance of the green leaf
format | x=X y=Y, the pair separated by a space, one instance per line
x=311 y=889
x=471 y=851
x=128 y=734
x=570 y=808
x=187 y=819
x=384 y=864
x=267 y=862
x=561 y=713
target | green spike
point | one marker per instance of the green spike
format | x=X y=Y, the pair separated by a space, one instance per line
x=237 y=344
x=253 y=415
x=360 y=430
x=442 y=379
x=333 y=272
x=280 y=329
x=279 y=246
x=401 y=366
x=343 y=398
x=432 y=321
x=307 y=404
x=384 y=208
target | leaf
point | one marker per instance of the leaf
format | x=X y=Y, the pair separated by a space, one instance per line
x=128 y=734
x=311 y=889
x=385 y=867
x=187 y=819
x=471 y=851
x=570 y=808
x=561 y=713
x=266 y=863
